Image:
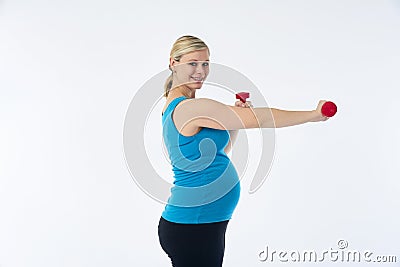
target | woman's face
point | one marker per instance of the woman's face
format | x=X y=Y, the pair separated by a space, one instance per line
x=192 y=69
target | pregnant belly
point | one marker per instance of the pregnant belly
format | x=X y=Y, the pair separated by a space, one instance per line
x=216 y=182
x=223 y=207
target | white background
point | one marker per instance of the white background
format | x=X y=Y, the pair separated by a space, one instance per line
x=69 y=69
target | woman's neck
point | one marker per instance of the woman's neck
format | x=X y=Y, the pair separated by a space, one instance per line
x=182 y=91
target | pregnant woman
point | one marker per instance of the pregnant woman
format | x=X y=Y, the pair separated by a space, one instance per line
x=198 y=133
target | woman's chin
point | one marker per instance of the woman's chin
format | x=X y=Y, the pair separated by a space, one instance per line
x=198 y=86
x=192 y=85
x=195 y=85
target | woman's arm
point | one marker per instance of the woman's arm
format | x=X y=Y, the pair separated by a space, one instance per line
x=282 y=118
x=209 y=113
x=285 y=118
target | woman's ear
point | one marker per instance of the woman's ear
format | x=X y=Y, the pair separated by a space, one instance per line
x=171 y=63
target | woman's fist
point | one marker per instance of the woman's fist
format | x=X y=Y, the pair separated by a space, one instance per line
x=246 y=104
x=319 y=116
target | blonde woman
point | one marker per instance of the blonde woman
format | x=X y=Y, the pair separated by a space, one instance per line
x=192 y=226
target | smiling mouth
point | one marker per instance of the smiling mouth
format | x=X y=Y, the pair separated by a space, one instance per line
x=198 y=79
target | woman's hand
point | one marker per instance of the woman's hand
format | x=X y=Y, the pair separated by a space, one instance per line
x=318 y=114
x=246 y=104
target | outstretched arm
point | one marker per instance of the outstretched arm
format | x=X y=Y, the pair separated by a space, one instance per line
x=209 y=113
x=285 y=118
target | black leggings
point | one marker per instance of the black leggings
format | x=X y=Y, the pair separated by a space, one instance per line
x=193 y=245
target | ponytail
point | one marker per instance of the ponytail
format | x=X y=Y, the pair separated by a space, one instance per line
x=168 y=85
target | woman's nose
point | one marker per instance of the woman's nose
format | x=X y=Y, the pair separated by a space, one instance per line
x=200 y=69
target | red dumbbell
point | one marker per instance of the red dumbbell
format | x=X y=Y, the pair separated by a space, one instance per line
x=242 y=96
x=328 y=109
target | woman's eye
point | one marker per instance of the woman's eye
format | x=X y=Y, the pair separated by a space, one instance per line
x=194 y=64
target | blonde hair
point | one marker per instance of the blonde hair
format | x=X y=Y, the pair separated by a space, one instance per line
x=182 y=46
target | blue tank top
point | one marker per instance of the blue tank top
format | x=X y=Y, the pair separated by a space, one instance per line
x=206 y=185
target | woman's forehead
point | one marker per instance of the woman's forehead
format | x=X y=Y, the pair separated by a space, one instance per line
x=199 y=55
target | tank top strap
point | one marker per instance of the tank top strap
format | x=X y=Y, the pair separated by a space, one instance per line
x=171 y=106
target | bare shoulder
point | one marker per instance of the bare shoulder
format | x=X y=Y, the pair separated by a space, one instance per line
x=192 y=114
x=198 y=107
x=199 y=104
x=188 y=111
